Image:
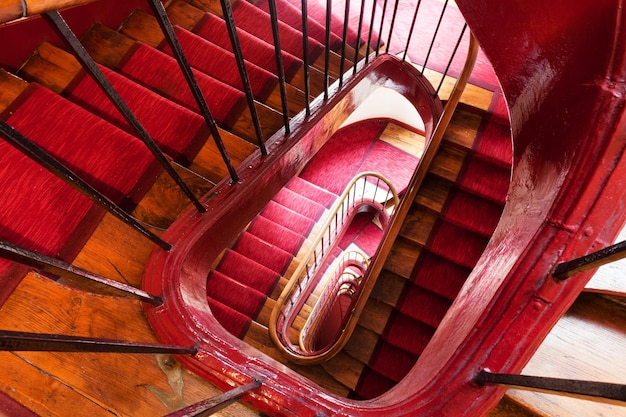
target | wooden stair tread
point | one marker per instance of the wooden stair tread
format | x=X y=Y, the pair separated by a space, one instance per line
x=143 y=27
x=587 y=343
x=404 y=139
x=10 y=88
x=109 y=48
x=187 y=16
x=402 y=258
x=609 y=279
x=165 y=201
x=208 y=162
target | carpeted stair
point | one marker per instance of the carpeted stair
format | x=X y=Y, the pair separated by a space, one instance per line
x=442 y=238
x=263 y=252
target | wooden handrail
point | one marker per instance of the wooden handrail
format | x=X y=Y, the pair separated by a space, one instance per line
x=17 y=9
x=384 y=249
x=295 y=282
x=317 y=317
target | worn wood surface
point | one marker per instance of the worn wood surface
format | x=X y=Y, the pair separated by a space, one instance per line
x=588 y=343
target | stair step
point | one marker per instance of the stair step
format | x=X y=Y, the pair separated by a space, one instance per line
x=432 y=268
x=457 y=245
x=213 y=28
x=292 y=16
x=81 y=134
x=276 y=235
x=344 y=369
x=371 y=385
x=181 y=133
x=486 y=180
x=587 y=343
x=290 y=219
x=234 y=294
x=299 y=204
x=472 y=213
x=215 y=61
x=233 y=321
x=248 y=272
x=262 y=252
x=391 y=362
x=311 y=191
x=361 y=344
x=423 y=305
x=162 y=74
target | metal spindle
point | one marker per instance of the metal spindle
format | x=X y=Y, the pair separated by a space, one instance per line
x=41 y=342
x=346 y=20
x=380 y=30
x=37 y=154
x=217 y=403
x=408 y=40
x=573 y=387
x=227 y=14
x=279 y=64
x=192 y=83
x=445 y=73
x=91 y=66
x=329 y=4
x=358 y=34
x=305 y=55
x=369 y=35
x=57 y=267
x=591 y=261
x=432 y=42
x=391 y=26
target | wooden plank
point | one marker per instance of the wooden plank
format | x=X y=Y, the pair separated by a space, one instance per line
x=165 y=201
x=115 y=251
x=137 y=385
x=448 y=162
x=388 y=288
x=361 y=344
x=375 y=316
x=433 y=193
x=418 y=226
x=51 y=67
x=463 y=128
x=609 y=279
x=402 y=258
x=588 y=343
x=345 y=369
x=10 y=88
x=404 y=139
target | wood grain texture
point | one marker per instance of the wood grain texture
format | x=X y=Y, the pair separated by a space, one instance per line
x=588 y=343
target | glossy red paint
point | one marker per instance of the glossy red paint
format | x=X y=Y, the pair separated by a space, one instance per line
x=567 y=115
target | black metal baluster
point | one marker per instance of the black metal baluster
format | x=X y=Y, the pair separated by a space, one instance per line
x=346 y=21
x=217 y=403
x=114 y=96
x=369 y=35
x=603 y=390
x=40 y=156
x=359 y=30
x=393 y=23
x=408 y=41
x=279 y=64
x=227 y=13
x=380 y=30
x=305 y=55
x=432 y=42
x=41 y=342
x=329 y=5
x=456 y=47
x=177 y=50
x=47 y=264
x=593 y=260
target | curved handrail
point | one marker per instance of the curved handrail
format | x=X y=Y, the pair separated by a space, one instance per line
x=357 y=195
x=17 y=9
x=351 y=258
x=390 y=234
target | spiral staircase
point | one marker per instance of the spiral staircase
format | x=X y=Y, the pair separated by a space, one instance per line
x=166 y=171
